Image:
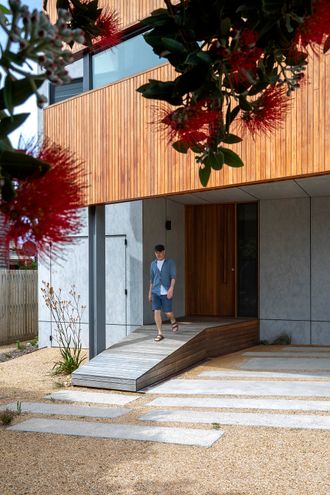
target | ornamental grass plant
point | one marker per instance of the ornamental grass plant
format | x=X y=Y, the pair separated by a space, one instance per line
x=67 y=314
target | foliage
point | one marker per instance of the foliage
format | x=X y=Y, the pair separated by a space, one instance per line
x=44 y=210
x=31 y=38
x=67 y=314
x=7 y=415
x=94 y=21
x=20 y=346
x=240 y=60
x=283 y=339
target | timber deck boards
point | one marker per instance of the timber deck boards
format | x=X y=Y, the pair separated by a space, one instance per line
x=137 y=361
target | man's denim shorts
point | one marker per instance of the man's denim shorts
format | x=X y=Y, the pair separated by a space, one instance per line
x=161 y=302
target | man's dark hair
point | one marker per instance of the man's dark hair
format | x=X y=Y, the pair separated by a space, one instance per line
x=159 y=248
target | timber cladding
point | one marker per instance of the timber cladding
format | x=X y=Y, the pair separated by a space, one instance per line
x=130 y=12
x=127 y=157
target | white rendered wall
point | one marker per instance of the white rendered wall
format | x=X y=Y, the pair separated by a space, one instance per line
x=295 y=269
x=155 y=214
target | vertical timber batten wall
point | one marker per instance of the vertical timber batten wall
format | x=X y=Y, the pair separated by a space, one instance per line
x=126 y=158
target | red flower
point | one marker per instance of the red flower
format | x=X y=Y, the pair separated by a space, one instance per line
x=268 y=111
x=190 y=124
x=108 y=24
x=316 y=27
x=242 y=59
x=44 y=209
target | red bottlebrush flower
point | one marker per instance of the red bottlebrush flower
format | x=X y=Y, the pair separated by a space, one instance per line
x=316 y=28
x=108 y=24
x=241 y=60
x=268 y=111
x=190 y=124
x=44 y=209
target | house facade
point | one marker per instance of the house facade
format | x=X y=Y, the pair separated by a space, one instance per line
x=253 y=243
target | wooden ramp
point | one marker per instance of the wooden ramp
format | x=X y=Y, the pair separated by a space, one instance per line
x=137 y=361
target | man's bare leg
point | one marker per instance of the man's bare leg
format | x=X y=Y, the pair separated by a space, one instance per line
x=158 y=321
x=173 y=321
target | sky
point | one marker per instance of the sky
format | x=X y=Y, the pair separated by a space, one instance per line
x=29 y=129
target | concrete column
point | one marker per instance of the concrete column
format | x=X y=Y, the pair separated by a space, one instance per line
x=97 y=333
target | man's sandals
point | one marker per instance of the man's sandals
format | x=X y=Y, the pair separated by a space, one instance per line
x=175 y=326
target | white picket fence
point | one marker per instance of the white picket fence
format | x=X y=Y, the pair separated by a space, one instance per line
x=18 y=305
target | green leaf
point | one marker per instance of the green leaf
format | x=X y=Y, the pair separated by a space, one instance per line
x=4 y=10
x=231 y=158
x=192 y=79
x=214 y=160
x=244 y=104
x=159 y=90
x=205 y=57
x=225 y=26
x=9 y=124
x=181 y=146
x=62 y=4
x=204 y=174
x=7 y=190
x=257 y=88
x=173 y=45
x=197 y=148
x=21 y=90
x=20 y=166
x=158 y=17
x=8 y=95
x=231 y=139
x=233 y=114
x=271 y=6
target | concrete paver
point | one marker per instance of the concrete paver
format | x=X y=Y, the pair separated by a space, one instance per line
x=293 y=375
x=68 y=410
x=182 y=436
x=243 y=387
x=288 y=355
x=243 y=419
x=309 y=348
x=283 y=364
x=92 y=397
x=273 y=404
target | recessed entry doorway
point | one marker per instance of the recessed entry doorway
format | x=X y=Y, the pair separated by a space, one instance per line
x=222 y=260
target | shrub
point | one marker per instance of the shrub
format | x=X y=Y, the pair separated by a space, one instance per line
x=7 y=415
x=67 y=314
x=283 y=339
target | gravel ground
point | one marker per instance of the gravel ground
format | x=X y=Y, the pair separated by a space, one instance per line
x=245 y=461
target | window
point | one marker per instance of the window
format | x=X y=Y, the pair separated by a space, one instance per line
x=65 y=91
x=128 y=58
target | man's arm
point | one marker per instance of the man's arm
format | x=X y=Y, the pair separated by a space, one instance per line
x=150 y=286
x=170 y=291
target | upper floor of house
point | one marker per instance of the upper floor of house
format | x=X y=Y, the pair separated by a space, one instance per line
x=103 y=119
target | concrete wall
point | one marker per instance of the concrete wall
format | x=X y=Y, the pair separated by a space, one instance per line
x=295 y=269
x=124 y=270
x=320 y=276
x=61 y=273
x=155 y=214
x=124 y=312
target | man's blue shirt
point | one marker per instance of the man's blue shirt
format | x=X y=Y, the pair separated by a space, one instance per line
x=163 y=277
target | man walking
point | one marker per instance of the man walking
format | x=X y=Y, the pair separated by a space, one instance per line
x=162 y=282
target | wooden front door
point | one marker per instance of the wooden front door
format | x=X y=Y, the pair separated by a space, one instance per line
x=210 y=260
